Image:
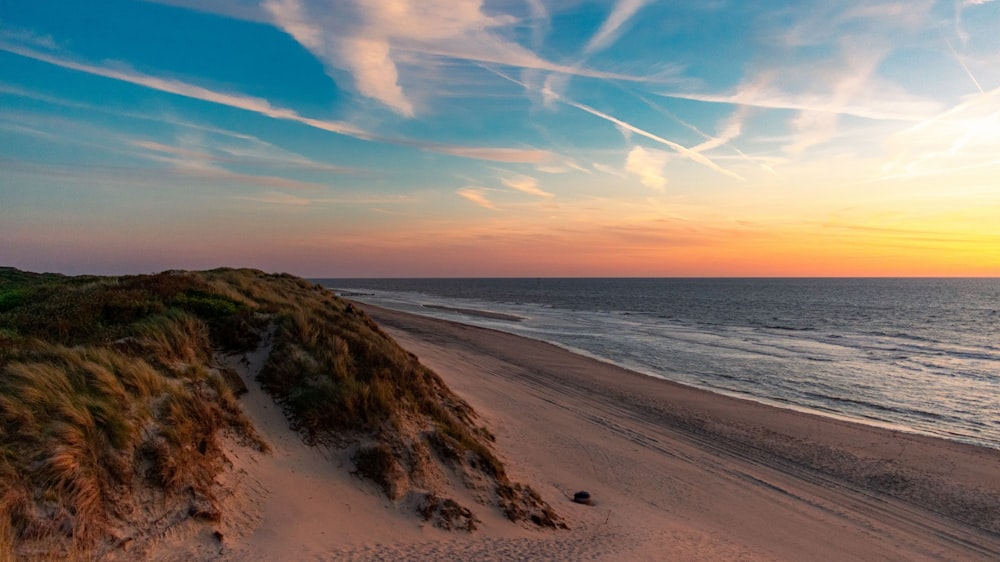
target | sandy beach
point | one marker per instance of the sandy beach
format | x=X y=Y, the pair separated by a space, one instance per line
x=675 y=473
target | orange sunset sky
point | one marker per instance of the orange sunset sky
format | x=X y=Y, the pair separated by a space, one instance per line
x=510 y=138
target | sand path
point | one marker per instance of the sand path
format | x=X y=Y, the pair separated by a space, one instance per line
x=299 y=502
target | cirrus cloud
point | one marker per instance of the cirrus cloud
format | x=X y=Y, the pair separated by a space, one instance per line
x=388 y=46
x=525 y=184
x=476 y=195
x=648 y=165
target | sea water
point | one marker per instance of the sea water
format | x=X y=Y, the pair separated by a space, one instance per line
x=921 y=355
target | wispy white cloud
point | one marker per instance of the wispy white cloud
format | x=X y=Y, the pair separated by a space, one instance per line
x=564 y=167
x=254 y=153
x=476 y=195
x=552 y=169
x=848 y=78
x=27 y=37
x=811 y=128
x=375 y=72
x=495 y=154
x=285 y=198
x=525 y=184
x=12 y=90
x=387 y=46
x=807 y=24
x=612 y=26
x=66 y=130
x=577 y=167
x=960 y=7
x=203 y=170
x=648 y=165
x=173 y=150
x=178 y=170
x=276 y=198
x=731 y=128
x=111 y=110
x=680 y=149
x=827 y=62
x=965 y=67
x=846 y=83
x=28 y=130
x=226 y=147
x=288 y=199
x=263 y=107
x=180 y=88
x=969 y=104
x=249 y=10
x=366 y=56
x=190 y=159
x=540 y=22
x=291 y=16
x=965 y=137
x=265 y=154
x=907 y=108
x=557 y=83
x=628 y=128
x=610 y=170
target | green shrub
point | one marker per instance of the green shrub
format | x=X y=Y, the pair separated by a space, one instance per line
x=12 y=298
x=207 y=305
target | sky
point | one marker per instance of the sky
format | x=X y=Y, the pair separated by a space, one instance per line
x=514 y=138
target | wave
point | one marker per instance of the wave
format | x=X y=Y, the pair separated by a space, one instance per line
x=476 y=312
x=883 y=407
x=789 y=328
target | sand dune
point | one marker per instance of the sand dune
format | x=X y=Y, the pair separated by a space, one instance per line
x=675 y=473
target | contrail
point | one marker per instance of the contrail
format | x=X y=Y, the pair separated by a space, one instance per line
x=680 y=149
x=966 y=68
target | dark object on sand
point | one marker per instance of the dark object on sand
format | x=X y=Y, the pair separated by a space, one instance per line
x=582 y=497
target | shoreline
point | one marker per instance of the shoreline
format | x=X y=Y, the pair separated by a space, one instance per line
x=816 y=463
x=738 y=395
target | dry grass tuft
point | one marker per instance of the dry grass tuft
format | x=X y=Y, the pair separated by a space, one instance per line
x=176 y=338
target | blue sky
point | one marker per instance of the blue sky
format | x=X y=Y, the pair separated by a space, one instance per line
x=528 y=137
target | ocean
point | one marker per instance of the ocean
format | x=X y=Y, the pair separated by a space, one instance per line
x=919 y=355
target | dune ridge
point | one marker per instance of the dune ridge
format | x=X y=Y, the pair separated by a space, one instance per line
x=116 y=403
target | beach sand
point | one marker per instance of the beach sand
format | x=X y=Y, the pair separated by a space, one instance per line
x=675 y=473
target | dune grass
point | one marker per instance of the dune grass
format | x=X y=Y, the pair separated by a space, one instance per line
x=108 y=391
x=338 y=375
x=107 y=386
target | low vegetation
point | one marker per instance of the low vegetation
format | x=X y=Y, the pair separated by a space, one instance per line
x=111 y=402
